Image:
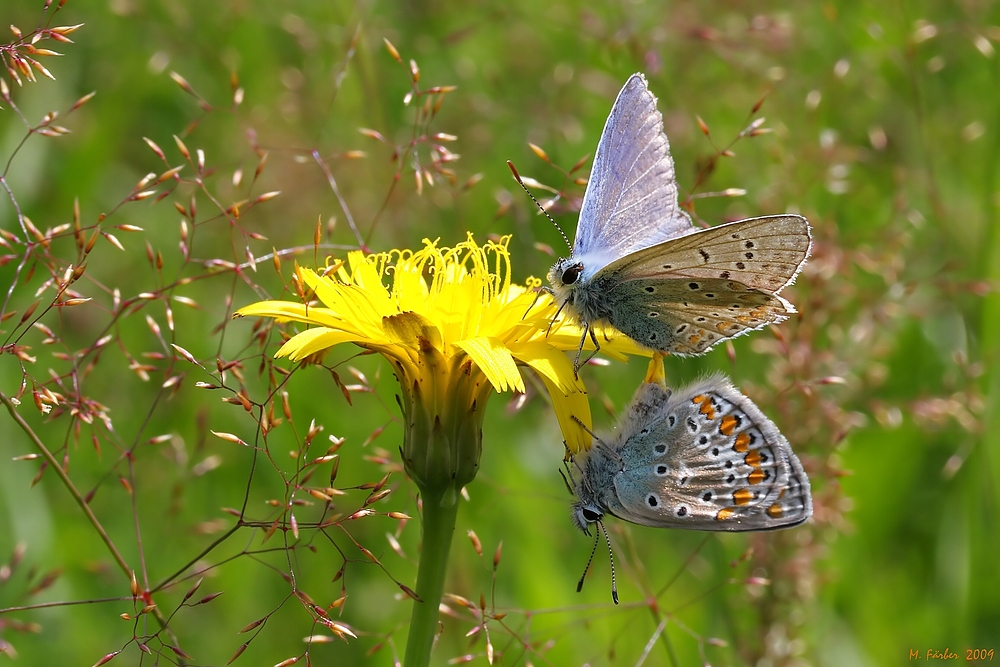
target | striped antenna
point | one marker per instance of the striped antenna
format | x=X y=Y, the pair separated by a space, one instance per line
x=611 y=555
x=517 y=177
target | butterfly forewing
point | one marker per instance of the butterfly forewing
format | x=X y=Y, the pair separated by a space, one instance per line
x=763 y=253
x=631 y=198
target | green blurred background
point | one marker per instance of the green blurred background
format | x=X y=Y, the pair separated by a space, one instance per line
x=884 y=136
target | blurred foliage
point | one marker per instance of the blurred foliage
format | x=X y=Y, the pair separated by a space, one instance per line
x=884 y=136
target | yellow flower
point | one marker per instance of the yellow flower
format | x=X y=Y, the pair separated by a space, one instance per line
x=453 y=325
x=455 y=329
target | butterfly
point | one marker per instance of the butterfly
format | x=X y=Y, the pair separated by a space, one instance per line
x=703 y=457
x=639 y=264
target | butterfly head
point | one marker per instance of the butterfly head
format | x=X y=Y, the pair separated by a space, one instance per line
x=585 y=514
x=566 y=276
x=565 y=272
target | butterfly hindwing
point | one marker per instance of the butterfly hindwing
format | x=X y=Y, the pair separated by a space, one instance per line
x=689 y=316
x=709 y=459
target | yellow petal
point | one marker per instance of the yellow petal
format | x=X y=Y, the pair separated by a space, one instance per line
x=552 y=364
x=513 y=318
x=655 y=372
x=409 y=289
x=284 y=311
x=566 y=407
x=313 y=340
x=325 y=289
x=495 y=361
x=408 y=328
x=363 y=309
x=367 y=277
x=613 y=344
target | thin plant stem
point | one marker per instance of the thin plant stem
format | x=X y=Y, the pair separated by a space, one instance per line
x=55 y=465
x=80 y=500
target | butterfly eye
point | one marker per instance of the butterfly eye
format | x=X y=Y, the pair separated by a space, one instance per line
x=571 y=274
x=590 y=515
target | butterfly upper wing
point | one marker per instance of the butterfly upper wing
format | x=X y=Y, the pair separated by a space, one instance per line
x=631 y=197
x=685 y=295
x=711 y=460
x=763 y=253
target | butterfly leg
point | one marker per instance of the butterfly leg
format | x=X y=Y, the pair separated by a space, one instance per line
x=579 y=351
x=583 y=339
x=538 y=294
x=603 y=446
x=554 y=317
x=567 y=476
x=597 y=344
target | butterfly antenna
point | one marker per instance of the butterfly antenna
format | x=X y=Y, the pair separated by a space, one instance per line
x=614 y=584
x=517 y=177
x=611 y=556
x=579 y=585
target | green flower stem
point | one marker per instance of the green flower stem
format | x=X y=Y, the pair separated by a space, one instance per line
x=439 y=513
x=442 y=401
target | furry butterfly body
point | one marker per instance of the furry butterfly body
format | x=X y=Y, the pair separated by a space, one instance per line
x=703 y=457
x=640 y=265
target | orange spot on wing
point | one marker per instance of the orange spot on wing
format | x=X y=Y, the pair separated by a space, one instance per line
x=742 y=497
x=775 y=511
x=708 y=410
x=742 y=443
x=752 y=459
x=729 y=423
x=699 y=398
x=724 y=513
x=693 y=340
